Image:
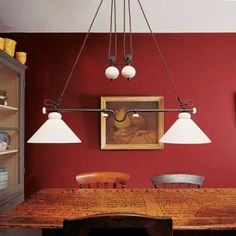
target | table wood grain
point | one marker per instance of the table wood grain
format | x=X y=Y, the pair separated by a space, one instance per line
x=190 y=209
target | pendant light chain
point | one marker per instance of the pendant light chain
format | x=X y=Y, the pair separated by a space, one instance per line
x=183 y=104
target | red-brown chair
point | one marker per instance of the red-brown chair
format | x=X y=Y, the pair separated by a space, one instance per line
x=102 y=179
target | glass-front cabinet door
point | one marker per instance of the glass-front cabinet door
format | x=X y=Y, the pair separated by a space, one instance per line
x=12 y=82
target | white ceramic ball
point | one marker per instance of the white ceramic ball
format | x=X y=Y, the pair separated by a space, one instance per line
x=128 y=72
x=112 y=72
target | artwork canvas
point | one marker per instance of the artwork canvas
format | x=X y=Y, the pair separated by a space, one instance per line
x=141 y=132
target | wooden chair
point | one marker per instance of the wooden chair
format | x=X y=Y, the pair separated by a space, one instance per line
x=176 y=179
x=119 y=224
x=102 y=179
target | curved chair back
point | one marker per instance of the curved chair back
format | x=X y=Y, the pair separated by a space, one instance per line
x=119 y=224
x=177 y=179
x=102 y=179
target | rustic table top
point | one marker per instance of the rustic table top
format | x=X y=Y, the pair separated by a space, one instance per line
x=190 y=209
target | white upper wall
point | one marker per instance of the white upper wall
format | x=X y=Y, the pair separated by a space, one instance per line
x=76 y=15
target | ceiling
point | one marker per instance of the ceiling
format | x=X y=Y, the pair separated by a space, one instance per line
x=76 y=15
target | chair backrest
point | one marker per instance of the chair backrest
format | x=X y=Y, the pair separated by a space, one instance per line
x=119 y=224
x=174 y=180
x=102 y=179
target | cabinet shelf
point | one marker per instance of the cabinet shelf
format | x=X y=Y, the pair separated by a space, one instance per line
x=8 y=152
x=3 y=107
x=12 y=80
x=9 y=128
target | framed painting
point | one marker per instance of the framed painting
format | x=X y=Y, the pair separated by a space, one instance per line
x=141 y=132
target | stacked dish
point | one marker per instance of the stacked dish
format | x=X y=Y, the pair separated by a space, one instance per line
x=3 y=177
x=4 y=140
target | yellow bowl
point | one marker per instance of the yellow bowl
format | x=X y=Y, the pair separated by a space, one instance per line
x=2 y=42
x=10 y=46
x=21 y=57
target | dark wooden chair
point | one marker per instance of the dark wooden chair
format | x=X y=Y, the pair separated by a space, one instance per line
x=119 y=224
x=174 y=180
x=102 y=179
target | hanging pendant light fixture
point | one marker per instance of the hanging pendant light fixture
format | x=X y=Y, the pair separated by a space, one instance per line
x=54 y=130
x=183 y=131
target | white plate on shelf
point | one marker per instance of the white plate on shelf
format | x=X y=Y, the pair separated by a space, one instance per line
x=3 y=178
x=3 y=185
x=5 y=137
x=3 y=173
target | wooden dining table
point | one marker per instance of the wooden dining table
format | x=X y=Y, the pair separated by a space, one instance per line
x=196 y=211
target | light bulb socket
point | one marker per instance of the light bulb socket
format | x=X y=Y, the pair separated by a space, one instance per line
x=112 y=60
x=44 y=110
x=128 y=58
x=194 y=110
x=104 y=115
x=135 y=115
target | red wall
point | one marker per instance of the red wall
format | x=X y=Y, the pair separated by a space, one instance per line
x=204 y=69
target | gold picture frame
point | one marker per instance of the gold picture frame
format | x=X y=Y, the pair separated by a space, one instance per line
x=142 y=132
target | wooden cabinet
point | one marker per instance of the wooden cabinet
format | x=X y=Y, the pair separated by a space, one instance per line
x=12 y=83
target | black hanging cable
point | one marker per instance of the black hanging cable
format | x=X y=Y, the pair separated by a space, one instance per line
x=130 y=30
x=124 y=31
x=127 y=57
x=56 y=104
x=183 y=104
x=112 y=58
x=110 y=35
x=115 y=28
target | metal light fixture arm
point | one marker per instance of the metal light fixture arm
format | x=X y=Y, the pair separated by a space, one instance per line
x=54 y=104
x=183 y=104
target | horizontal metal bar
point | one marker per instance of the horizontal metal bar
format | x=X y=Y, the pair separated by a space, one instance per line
x=114 y=114
x=108 y=110
x=75 y=110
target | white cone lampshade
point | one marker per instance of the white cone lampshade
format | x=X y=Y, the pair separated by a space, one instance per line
x=184 y=131
x=54 y=130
